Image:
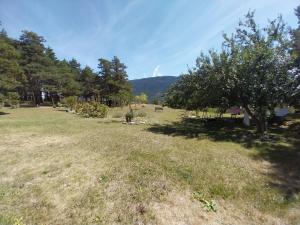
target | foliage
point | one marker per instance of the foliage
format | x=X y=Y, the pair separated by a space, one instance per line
x=155 y=101
x=11 y=74
x=91 y=109
x=13 y=99
x=18 y=221
x=208 y=205
x=2 y=100
x=142 y=98
x=89 y=82
x=33 y=62
x=129 y=116
x=115 y=87
x=70 y=102
x=252 y=70
x=121 y=98
x=31 y=69
x=296 y=58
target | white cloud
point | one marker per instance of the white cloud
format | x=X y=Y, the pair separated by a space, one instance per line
x=156 y=72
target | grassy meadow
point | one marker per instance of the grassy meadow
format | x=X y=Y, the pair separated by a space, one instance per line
x=60 y=168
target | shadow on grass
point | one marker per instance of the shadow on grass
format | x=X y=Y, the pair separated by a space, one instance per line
x=216 y=129
x=62 y=110
x=282 y=150
x=284 y=157
x=3 y=113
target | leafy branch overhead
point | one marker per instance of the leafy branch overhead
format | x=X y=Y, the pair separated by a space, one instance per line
x=254 y=69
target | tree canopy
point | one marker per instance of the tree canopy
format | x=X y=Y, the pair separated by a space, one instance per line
x=253 y=70
x=33 y=71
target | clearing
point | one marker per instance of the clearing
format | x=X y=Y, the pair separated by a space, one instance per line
x=60 y=168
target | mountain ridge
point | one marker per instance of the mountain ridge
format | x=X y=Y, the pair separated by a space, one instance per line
x=153 y=87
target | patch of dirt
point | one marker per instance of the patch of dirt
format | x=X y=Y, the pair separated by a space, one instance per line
x=181 y=209
x=31 y=140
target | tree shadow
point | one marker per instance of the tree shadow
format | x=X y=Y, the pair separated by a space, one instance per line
x=284 y=157
x=217 y=129
x=3 y=113
x=282 y=149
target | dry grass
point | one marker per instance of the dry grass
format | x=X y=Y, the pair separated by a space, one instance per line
x=59 y=168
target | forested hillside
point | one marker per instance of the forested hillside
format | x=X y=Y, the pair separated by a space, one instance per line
x=153 y=87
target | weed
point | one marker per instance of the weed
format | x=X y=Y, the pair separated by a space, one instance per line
x=208 y=205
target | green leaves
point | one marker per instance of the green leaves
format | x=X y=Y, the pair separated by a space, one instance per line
x=114 y=82
x=11 y=75
x=250 y=71
x=208 y=205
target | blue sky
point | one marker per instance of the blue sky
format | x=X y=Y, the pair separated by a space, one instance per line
x=152 y=37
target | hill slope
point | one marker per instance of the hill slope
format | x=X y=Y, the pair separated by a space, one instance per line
x=152 y=86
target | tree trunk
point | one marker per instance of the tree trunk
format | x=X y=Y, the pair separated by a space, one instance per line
x=53 y=103
x=34 y=99
x=261 y=126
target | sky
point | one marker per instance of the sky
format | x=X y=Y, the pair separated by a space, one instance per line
x=152 y=37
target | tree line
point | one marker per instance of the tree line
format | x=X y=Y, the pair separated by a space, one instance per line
x=257 y=68
x=30 y=71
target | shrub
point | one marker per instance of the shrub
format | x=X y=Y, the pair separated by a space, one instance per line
x=91 y=109
x=70 y=102
x=2 y=100
x=78 y=108
x=13 y=99
x=97 y=110
x=129 y=116
x=140 y=114
x=117 y=115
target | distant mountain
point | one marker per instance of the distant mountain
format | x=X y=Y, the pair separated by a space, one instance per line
x=152 y=86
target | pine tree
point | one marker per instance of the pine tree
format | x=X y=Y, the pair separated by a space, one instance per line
x=88 y=82
x=116 y=89
x=34 y=63
x=11 y=74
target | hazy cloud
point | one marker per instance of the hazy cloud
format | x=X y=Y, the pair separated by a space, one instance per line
x=156 y=72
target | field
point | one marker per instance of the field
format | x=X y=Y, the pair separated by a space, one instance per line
x=59 y=168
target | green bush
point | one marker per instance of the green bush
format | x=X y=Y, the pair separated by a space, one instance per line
x=70 y=102
x=78 y=108
x=2 y=100
x=140 y=114
x=129 y=116
x=13 y=99
x=91 y=109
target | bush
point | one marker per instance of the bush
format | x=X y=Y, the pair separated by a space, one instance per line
x=13 y=99
x=91 y=109
x=117 y=115
x=2 y=100
x=140 y=114
x=98 y=110
x=129 y=116
x=70 y=102
x=78 y=108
